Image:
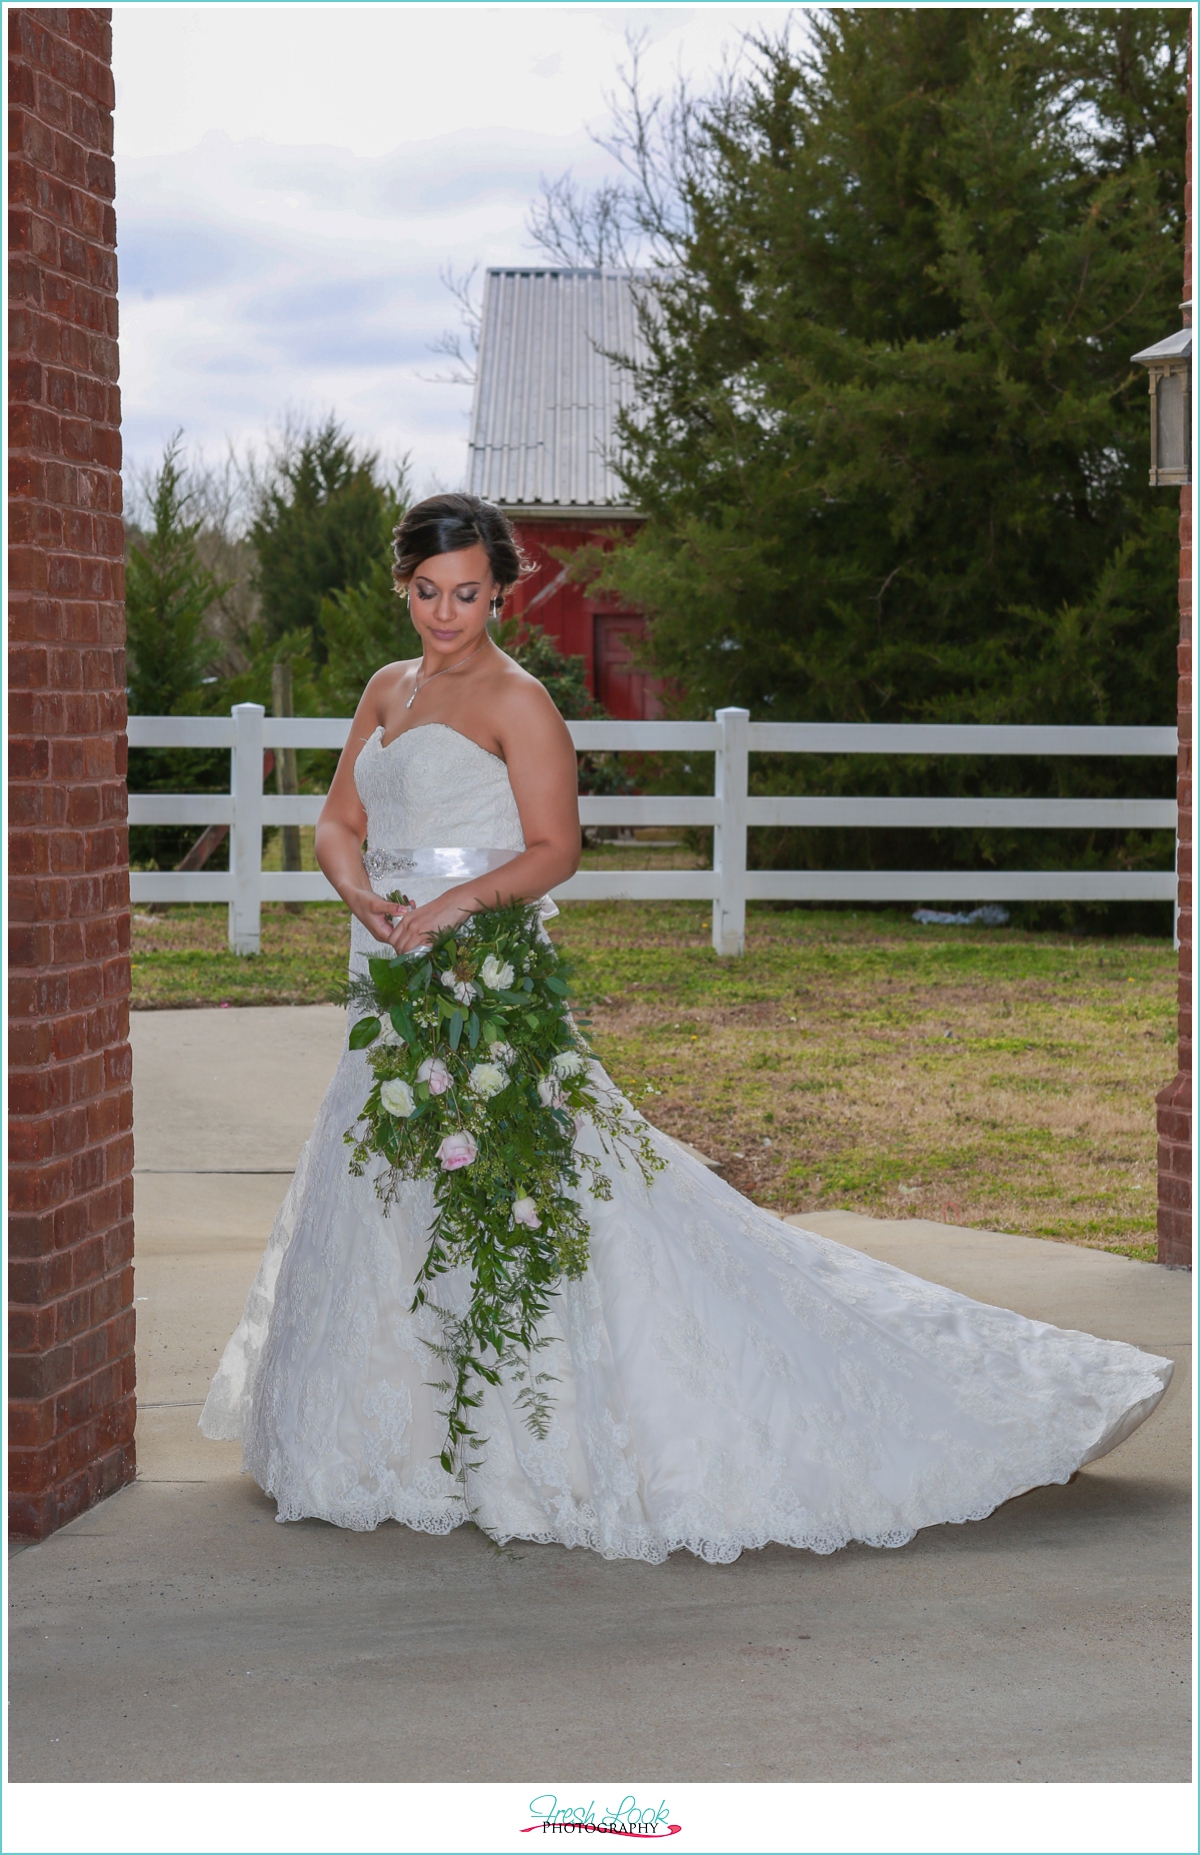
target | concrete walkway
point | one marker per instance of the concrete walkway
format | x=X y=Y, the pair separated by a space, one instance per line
x=176 y=1633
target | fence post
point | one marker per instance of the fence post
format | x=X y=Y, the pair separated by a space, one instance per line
x=245 y=839
x=287 y=783
x=731 y=790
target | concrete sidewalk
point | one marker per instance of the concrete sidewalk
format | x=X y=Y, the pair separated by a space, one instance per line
x=176 y=1633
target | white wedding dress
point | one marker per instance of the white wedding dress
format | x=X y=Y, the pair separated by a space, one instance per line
x=723 y=1380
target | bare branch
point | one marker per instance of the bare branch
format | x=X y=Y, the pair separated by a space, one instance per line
x=578 y=228
x=663 y=145
x=460 y=344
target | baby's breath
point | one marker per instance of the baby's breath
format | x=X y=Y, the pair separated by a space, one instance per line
x=524 y=1147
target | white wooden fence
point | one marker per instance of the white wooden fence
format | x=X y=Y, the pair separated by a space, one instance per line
x=733 y=737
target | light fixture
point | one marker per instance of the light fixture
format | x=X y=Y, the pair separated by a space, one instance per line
x=1169 y=364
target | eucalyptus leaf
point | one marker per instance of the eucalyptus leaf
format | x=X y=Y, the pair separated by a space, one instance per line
x=523 y=1149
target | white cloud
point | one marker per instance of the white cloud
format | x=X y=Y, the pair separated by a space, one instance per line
x=292 y=178
x=255 y=278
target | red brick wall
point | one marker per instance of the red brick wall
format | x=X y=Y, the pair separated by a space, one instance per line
x=71 y=1410
x=1175 y=1101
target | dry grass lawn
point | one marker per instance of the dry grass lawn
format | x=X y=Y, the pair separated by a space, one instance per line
x=982 y=1077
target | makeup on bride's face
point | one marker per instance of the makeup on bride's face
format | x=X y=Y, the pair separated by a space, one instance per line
x=449 y=597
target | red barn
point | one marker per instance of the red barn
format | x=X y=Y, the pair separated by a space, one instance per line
x=541 y=445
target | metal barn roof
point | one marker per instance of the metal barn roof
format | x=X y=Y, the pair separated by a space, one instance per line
x=546 y=396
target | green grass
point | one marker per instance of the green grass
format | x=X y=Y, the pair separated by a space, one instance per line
x=992 y=1078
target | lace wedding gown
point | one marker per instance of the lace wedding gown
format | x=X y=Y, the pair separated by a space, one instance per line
x=723 y=1380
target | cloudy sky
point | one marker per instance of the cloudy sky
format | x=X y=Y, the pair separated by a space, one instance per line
x=291 y=179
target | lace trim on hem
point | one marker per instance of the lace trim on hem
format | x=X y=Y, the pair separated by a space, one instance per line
x=653 y=1545
x=645 y=1544
x=226 y=1428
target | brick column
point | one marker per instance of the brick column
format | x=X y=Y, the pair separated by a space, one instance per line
x=71 y=1409
x=1175 y=1101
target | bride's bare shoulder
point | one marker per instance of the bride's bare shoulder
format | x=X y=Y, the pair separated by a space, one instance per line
x=522 y=702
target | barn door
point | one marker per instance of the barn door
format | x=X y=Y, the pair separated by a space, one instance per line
x=627 y=693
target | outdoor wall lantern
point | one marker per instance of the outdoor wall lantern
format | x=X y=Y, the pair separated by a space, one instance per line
x=1170 y=367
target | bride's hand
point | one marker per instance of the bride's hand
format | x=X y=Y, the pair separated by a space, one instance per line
x=380 y=917
x=403 y=928
x=417 y=927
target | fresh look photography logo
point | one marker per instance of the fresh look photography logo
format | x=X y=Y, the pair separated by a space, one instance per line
x=628 y=1818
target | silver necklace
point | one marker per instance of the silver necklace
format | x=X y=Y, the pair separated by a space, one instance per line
x=450 y=666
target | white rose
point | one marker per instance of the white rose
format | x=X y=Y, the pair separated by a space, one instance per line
x=497 y=978
x=488 y=1079
x=502 y=1053
x=462 y=989
x=568 y=1063
x=525 y=1212
x=396 y=1096
x=549 y=1093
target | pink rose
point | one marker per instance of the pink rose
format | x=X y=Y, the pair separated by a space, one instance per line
x=525 y=1212
x=434 y=1071
x=457 y=1150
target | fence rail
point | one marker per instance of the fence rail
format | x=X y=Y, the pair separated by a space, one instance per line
x=730 y=811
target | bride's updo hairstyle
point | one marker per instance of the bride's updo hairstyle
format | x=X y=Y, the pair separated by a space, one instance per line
x=448 y=524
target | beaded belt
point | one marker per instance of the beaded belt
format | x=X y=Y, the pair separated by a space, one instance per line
x=452 y=865
x=444 y=865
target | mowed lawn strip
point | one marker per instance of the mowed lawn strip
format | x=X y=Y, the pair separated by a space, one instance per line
x=977 y=1076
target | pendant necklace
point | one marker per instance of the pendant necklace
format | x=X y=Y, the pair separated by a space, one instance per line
x=450 y=666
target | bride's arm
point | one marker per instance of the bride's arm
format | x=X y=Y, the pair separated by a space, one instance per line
x=543 y=774
x=342 y=825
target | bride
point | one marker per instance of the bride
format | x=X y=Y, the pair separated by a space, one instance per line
x=721 y=1379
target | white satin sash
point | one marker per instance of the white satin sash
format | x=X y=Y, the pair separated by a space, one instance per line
x=448 y=865
x=457 y=864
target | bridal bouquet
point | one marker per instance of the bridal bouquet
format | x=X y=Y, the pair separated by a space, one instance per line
x=482 y=1078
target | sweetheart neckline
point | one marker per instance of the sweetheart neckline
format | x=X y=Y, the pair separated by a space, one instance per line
x=385 y=745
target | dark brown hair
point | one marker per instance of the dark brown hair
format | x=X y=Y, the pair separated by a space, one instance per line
x=448 y=524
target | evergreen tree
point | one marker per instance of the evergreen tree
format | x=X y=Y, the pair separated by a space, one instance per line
x=317 y=529
x=890 y=444
x=364 y=627
x=169 y=595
